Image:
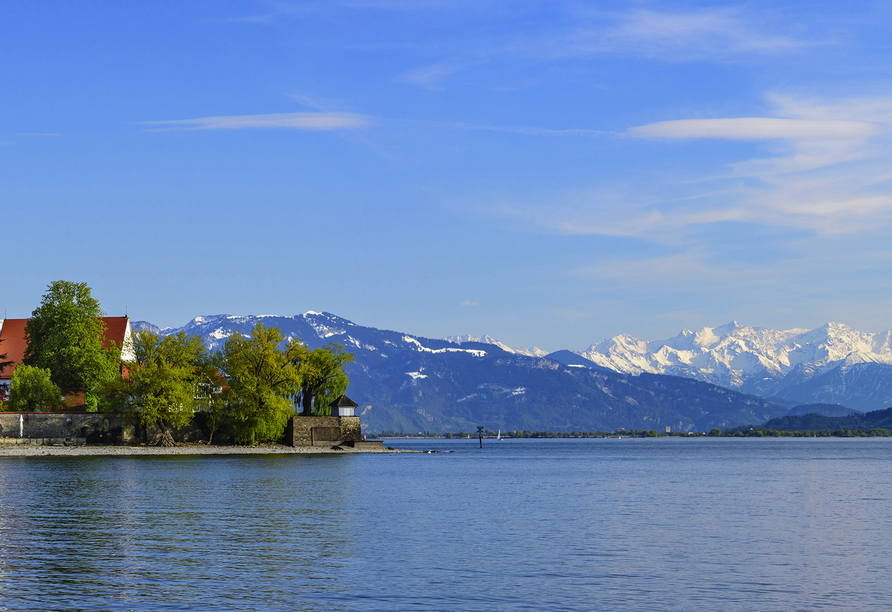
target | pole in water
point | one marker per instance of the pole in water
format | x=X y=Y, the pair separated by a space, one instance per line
x=480 y=434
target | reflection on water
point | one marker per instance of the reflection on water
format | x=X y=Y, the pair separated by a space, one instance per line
x=188 y=533
x=552 y=524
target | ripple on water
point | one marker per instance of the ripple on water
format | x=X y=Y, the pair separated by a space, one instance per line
x=522 y=525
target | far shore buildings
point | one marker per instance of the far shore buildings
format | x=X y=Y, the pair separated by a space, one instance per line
x=13 y=344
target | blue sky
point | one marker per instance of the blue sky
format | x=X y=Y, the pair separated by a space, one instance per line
x=549 y=173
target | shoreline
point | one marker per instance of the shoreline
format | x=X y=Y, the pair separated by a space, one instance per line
x=34 y=450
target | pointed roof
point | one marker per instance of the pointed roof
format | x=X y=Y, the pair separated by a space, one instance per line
x=343 y=402
x=12 y=335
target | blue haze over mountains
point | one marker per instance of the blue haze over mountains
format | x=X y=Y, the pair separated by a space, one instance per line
x=408 y=383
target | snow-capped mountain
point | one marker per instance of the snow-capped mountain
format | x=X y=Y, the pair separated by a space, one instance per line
x=314 y=329
x=517 y=350
x=766 y=362
x=410 y=383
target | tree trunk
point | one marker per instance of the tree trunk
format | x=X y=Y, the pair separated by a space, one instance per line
x=307 y=401
x=166 y=438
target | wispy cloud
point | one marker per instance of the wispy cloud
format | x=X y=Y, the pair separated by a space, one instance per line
x=708 y=34
x=828 y=172
x=654 y=271
x=273 y=11
x=430 y=77
x=714 y=35
x=470 y=303
x=294 y=121
x=512 y=129
x=757 y=128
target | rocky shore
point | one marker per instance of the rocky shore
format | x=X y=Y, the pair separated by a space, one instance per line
x=34 y=450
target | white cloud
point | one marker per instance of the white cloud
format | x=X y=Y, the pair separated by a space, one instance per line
x=722 y=35
x=697 y=34
x=757 y=128
x=712 y=35
x=295 y=121
x=826 y=170
x=512 y=129
x=430 y=77
x=829 y=168
x=470 y=303
x=654 y=271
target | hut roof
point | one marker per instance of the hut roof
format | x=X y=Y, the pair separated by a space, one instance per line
x=343 y=402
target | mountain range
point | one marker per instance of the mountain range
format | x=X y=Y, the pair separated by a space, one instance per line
x=410 y=383
x=832 y=364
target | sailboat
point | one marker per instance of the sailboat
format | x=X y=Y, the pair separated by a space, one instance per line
x=499 y=437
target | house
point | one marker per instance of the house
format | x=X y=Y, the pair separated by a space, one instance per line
x=13 y=344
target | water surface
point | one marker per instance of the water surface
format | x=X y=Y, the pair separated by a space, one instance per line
x=631 y=524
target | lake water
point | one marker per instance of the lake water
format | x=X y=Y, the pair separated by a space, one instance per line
x=631 y=524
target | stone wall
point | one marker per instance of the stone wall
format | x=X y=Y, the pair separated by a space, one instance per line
x=322 y=431
x=95 y=427
x=187 y=433
x=110 y=428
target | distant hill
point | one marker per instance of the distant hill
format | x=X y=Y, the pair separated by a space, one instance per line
x=830 y=410
x=815 y=422
x=408 y=383
x=136 y=326
x=864 y=386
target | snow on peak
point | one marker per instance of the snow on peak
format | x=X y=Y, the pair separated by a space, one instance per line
x=424 y=349
x=517 y=350
x=732 y=355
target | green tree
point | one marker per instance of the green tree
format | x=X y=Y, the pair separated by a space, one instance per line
x=219 y=408
x=65 y=335
x=215 y=400
x=32 y=389
x=160 y=384
x=264 y=378
x=4 y=364
x=323 y=378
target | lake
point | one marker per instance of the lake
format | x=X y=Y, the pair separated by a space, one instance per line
x=599 y=524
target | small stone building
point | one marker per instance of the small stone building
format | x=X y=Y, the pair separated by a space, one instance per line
x=342 y=428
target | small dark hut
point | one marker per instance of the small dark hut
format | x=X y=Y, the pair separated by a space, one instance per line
x=343 y=407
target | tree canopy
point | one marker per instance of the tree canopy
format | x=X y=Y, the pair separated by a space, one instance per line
x=65 y=336
x=159 y=386
x=322 y=378
x=247 y=389
x=32 y=390
x=264 y=378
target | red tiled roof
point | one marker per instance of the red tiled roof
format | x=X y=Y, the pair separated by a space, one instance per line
x=115 y=328
x=12 y=334
x=13 y=344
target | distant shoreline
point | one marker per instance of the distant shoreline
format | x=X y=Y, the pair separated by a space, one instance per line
x=34 y=450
